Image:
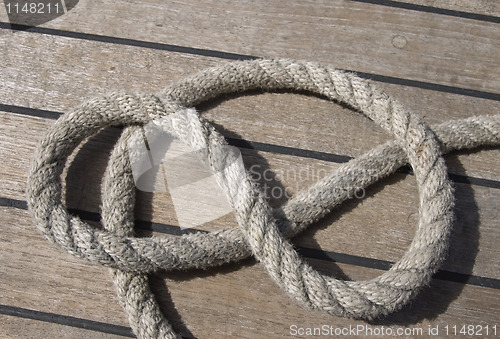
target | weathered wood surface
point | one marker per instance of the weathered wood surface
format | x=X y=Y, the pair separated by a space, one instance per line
x=440 y=66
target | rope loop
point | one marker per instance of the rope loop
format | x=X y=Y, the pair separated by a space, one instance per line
x=261 y=232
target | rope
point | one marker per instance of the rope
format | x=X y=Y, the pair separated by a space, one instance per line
x=261 y=232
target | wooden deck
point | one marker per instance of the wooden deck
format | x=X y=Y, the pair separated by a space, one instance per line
x=440 y=58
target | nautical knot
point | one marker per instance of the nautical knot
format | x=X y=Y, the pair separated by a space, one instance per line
x=261 y=231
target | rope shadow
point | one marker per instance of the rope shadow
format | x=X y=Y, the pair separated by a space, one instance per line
x=436 y=298
x=250 y=157
x=429 y=303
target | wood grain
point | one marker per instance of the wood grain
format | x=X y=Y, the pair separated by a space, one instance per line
x=396 y=201
x=20 y=328
x=62 y=85
x=483 y=7
x=352 y=35
x=236 y=300
x=54 y=73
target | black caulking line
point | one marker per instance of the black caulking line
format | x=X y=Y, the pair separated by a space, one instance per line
x=434 y=10
x=311 y=253
x=66 y=320
x=265 y=147
x=236 y=56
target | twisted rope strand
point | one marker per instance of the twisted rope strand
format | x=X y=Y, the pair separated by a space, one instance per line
x=133 y=290
x=260 y=230
x=362 y=171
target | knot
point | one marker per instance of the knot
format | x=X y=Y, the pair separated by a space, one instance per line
x=262 y=231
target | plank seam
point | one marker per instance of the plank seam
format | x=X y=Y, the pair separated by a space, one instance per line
x=270 y=148
x=234 y=56
x=431 y=9
x=311 y=253
x=66 y=320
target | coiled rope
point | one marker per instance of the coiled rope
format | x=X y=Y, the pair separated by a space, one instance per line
x=261 y=232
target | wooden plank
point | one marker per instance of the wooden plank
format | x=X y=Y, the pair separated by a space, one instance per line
x=228 y=119
x=219 y=302
x=55 y=73
x=21 y=328
x=275 y=315
x=476 y=206
x=239 y=327
x=278 y=106
x=41 y=276
x=482 y=7
x=442 y=49
x=133 y=69
x=487 y=8
x=60 y=93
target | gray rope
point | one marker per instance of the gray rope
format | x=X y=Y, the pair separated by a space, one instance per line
x=258 y=227
x=306 y=207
